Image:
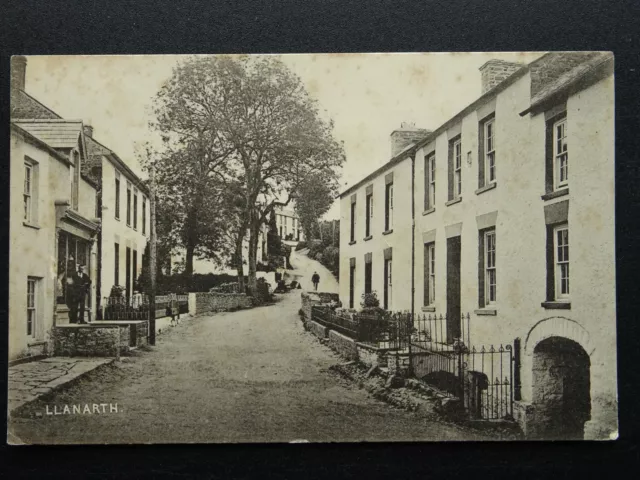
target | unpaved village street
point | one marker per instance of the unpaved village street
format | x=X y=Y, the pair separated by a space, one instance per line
x=246 y=376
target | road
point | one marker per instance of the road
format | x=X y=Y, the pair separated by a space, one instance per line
x=305 y=267
x=246 y=376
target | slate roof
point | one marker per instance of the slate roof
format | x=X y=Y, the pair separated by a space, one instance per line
x=56 y=133
x=24 y=105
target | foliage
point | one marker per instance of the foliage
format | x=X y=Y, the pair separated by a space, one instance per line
x=328 y=256
x=370 y=300
x=316 y=194
x=301 y=245
x=248 y=119
x=182 y=283
x=117 y=291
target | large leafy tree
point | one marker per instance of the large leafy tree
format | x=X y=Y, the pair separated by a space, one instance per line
x=255 y=123
x=315 y=197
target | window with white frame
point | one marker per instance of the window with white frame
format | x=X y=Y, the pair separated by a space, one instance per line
x=560 y=154
x=429 y=274
x=388 y=224
x=135 y=208
x=144 y=216
x=457 y=168
x=28 y=192
x=128 y=204
x=490 y=267
x=117 y=206
x=31 y=306
x=561 y=249
x=369 y=215
x=430 y=181
x=489 y=151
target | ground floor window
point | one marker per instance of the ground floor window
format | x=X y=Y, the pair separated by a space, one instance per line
x=429 y=273
x=368 y=272
x=388 y=283
x=32 y=289
x=352 y=283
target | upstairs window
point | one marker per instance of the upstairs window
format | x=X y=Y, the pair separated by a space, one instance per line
x=144 y=216
x=75 y=178
x=135 y=209
x=430 y=181
x=487 y=152
x=388 y=216
x=27 y=192
x=117 y=206
x=455 y=168
x=128 y=204
x=353 y=219
x=369 y=214
x=561 y=248
x=560 y=154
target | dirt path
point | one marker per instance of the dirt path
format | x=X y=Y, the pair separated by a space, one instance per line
x=247 y=376
x=305 y=267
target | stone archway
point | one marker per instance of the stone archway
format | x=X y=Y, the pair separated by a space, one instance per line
x=561 y=389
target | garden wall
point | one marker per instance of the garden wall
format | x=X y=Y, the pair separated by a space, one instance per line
x=88 y=340
x=205 y=302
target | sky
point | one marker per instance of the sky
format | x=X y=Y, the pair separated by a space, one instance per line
x=366 y=95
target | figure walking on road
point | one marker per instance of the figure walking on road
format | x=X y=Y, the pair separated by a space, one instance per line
x=316 y=280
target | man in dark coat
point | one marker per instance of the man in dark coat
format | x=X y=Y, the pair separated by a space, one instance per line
x=84 y=286
x=72 y=290
x=316 y=280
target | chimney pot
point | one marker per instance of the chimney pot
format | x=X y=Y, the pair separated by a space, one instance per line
x=18 y=72
x=88 y=130
x=495 y=72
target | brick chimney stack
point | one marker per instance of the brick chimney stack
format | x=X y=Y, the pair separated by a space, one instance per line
x=18 y=72
x=496 y=71
x=406 y=135
x=88 y=130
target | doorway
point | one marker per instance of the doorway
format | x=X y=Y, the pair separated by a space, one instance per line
x=453 y=288
x=561 y=390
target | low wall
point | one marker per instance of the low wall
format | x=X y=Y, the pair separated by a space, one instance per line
x=133 y=333
x=309 y=299
x=344 y=345
x=317 y=329
x=371 y=356
x=88 y=340
x=205 y=302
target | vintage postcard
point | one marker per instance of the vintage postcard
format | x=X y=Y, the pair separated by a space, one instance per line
x=312 y=248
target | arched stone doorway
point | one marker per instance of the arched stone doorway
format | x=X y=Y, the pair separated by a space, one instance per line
x=561 y=389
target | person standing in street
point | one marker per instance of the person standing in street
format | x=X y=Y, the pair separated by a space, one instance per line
x=315 y=279
x=83 y=291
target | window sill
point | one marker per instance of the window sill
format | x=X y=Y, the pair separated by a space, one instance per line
x=36 y=343
x=558 y=193
x=428 y=309
x=454 y=201
x=556 y=305
x=431 y=210
x=486 y=188
x=352 y=242
x=366 y=239
x=31 y=225
x=486 y=311
x=387 y=232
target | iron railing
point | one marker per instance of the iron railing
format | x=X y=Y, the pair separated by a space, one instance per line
x=137 y=307
x=482 y=377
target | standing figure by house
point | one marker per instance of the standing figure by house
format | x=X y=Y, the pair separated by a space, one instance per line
x=84 y=287
x=72 y=283
x=316 y=280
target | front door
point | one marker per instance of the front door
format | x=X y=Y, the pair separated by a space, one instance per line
x=453 y=289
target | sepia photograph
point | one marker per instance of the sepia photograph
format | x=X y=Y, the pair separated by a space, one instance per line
x=304 y=248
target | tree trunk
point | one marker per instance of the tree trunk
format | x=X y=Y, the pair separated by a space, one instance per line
x=239 y=260
x=188 y=267
x=253 y=252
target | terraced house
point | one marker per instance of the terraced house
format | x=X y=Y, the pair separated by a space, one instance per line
x=59 y=225
x=506 y=212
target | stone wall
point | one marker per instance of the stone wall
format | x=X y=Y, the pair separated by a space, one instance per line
x=308 y=299
x=371 y=356
x=204 y=302
x=318 y=330
x=344 y=345
x=89 y=340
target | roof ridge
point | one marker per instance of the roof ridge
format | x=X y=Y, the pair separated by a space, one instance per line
x=47 y=120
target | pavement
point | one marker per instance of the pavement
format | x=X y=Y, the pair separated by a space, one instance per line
x=247 y=376
x=29 y=381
